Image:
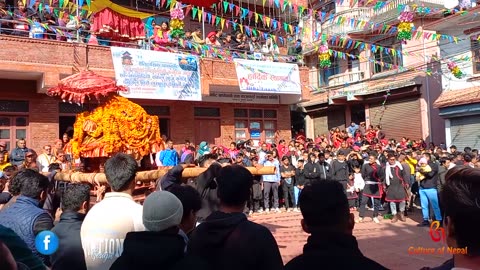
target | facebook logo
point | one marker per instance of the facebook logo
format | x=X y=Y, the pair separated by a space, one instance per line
x=46 y=242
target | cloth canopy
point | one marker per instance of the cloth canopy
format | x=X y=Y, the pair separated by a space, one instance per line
x=77 y=87
x=98 y=5
x=115 y=26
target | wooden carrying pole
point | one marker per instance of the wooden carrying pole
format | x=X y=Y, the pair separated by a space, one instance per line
x=146 y=176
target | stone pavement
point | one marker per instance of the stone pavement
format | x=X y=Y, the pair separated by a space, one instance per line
x=385 y=243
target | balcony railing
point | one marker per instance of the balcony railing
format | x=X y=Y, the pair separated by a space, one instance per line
x=358 y=14
x=390 y=11
x=343 y=78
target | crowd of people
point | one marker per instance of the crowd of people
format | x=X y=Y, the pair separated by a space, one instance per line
x=202 y=222
x=21 y=20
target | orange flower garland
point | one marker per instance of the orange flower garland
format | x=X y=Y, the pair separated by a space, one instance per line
x=118 y=126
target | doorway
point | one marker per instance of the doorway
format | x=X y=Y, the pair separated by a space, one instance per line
x=65 y=125
x=357 y=113
x=207 y=130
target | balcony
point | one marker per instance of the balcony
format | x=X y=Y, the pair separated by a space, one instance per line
x=345 y=78
x=390 y=12
x=358 y=14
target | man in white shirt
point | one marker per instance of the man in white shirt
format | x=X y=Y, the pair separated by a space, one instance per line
x=45 y=159
x=107 y=223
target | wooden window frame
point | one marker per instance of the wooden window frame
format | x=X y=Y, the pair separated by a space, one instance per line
x=248 y=120
x=13 y=129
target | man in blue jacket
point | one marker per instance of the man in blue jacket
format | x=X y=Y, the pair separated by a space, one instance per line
x=168 y=157
x=24 y=216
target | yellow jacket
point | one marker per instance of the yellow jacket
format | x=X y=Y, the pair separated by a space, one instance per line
x=412 y=163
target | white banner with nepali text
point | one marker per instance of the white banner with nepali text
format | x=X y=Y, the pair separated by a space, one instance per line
x=157 y=75
x=268 y=77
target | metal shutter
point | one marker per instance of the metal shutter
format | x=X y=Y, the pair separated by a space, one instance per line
x=320 y=124
x=336 y=117
x=465 y=131
x=401 y=118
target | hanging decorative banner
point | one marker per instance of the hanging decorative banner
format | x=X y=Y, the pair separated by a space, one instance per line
x=176 y=22
x=157 y=75
x=268 y=77
x=452 y=66
x=404 y=32
x=324 y=56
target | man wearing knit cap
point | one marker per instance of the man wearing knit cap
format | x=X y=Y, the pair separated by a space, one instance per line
x=160 y=246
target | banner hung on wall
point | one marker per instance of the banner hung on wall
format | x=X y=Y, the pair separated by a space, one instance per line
x=157 y=75
x=268 y=77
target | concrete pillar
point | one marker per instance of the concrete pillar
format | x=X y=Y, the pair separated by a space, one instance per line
x=309 y=127
x=367 y=115
x=448 y=134
x=348 y=115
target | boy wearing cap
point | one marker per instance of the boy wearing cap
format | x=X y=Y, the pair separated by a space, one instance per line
x=160 y=246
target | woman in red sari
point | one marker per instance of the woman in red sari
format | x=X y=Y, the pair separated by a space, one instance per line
x=337 y=138
x=371 y=134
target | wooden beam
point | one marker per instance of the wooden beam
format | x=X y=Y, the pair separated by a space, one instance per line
x=147 y=176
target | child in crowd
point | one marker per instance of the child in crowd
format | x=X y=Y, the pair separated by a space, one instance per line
x=358 y=184
x=351 y=194
x=423 y=167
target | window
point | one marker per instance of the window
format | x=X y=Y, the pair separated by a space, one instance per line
x=475 y=46
x=385 y=56
x=64 y=107
x=270 y=131
x=14 y=106
x=256 y=124
x=157 y=110
x=13 y=128
x=163 y=113
x=206 y=112
x=241 y=129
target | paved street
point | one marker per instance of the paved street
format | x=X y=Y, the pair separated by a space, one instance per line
x=386 y=243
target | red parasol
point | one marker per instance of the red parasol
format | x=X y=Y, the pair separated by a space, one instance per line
x=77 y=87
x=200 y=3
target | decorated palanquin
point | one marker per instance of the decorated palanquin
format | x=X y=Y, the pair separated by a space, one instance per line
x=119 y=126
x=116 y=126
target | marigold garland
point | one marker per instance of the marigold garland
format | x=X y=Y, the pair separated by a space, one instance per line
x=118 y=126
x=324 y=56
x=452 y=66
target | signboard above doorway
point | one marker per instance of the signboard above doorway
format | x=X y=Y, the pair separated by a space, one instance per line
x=268 y=77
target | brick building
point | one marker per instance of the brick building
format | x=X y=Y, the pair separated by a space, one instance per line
x=28 y=67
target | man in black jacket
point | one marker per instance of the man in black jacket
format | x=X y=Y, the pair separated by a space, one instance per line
x=227 y=239
x=325 y=168
x=327 y=218
x=75 y=204
x=311 y=169
x=340 y=168
x=428 y=192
